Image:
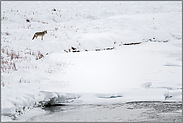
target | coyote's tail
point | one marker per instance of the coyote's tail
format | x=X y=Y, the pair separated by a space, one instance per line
x=33 y=37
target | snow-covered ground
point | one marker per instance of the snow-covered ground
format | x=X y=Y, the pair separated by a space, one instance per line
x=106 y=67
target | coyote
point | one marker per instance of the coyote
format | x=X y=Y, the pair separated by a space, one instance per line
x=39 y=34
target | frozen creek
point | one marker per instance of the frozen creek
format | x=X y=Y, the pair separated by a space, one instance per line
x=147 y=111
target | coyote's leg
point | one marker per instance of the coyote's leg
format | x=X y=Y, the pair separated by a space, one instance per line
x=42 y=38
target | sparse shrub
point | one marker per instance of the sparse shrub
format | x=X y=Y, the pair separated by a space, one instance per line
x=45 y=22
x=4 y=18
x=54 y=9
x=8 y=63
x=27 y=20
x=28 y=26
x=13 y=55
x=6 y=33
x=3 y=84
x=23 y=80
x=14 y=67
x=3 y=50
x=39 y=55
x=66 y=51
x=7 y=66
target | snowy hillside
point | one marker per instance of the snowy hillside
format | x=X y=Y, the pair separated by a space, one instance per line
x=93 y=52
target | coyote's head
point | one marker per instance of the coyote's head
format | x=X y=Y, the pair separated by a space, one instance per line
x=45 y=31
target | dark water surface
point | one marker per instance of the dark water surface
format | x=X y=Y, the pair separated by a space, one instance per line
x=142 y=111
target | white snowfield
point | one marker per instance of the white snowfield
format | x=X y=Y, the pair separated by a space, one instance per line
x=124 y=51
